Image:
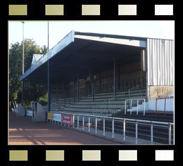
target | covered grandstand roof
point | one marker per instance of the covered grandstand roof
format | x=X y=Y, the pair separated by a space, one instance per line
x=81 y=52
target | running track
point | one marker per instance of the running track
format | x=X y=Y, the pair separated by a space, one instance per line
x=22 y=131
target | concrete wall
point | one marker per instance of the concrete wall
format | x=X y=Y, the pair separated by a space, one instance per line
x=160 y=104
x=159 y=91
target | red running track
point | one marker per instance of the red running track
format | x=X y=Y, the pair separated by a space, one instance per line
x=22 y=131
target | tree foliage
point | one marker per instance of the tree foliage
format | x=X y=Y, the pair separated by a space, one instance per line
x=32 y=90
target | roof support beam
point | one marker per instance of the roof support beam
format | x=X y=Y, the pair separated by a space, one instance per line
x=92 y=84
x=77 y=86
x=114 y=78
x=73 y=89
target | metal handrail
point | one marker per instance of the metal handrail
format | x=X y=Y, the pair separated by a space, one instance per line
x=92 y=119
x=137 y=105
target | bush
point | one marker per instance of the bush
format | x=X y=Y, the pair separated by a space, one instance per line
x=42 y=102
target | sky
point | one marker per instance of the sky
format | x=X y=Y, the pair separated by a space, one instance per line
x=38 y=30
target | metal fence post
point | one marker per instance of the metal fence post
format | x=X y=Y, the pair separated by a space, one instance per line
x=124 y=128
x=83 y=122
x=96 y=125
x=131 y=107
x=151 y=133
x=78 y=122
x=136 y=132
x=169 y=134
x=125 y=107
x=144 y=107
x=73 y=121
x=112 y=127
x=103 y=126
x=88 y=124
x=137 y=105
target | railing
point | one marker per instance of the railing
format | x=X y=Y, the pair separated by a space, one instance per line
x=137 y=105
x=124 y=130
x=106 y=107
x=122 y=85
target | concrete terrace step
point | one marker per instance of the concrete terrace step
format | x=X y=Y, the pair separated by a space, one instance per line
x=147 y=116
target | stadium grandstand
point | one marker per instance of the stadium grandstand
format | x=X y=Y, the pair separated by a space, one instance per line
x=108 y=75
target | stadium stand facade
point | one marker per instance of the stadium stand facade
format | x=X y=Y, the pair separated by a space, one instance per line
x=93 y=73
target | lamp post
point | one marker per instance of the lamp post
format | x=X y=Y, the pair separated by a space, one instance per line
x=22 y=59
x=48 y=74
x=23 y=48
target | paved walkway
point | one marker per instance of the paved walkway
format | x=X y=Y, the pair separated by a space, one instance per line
x=22 y=131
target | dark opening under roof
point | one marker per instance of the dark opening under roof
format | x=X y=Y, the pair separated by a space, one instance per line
x=81 y=52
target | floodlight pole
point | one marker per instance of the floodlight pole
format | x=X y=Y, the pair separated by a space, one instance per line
x=22 y=59
x=48 y=74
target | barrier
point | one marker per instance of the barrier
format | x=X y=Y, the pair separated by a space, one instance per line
x=38 y=113
x=156 y=103
x=28 y=112
x=118 y=128
x=20 y=111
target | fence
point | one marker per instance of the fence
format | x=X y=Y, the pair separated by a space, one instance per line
x=128 y=131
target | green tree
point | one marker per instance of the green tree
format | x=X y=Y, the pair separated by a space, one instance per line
x=32 y=90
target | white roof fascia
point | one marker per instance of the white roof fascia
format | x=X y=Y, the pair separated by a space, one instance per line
x=129 y=42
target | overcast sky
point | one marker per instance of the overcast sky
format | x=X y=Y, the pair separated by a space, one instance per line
x=38 y=30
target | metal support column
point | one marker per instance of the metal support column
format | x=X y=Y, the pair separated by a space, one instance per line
x=48 y=83
x=144 y=59
x=73 y=89
x=57 y=92
x=22 y=92
x=93 y=86
x=48 y=75
x=114 y=81
x=77 y=87
x=64 y=92
x=92 y=83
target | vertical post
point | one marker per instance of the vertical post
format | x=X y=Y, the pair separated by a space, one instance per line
x=114 y=81
x=151 y=133
x=73 y=89
x=23 y=48
x=93 y=91
x=169 y=134
x=156 y=107
x=92 y=83
x=88 y=124
x=48 y=74
x=78 y=122
x=96 y=125
x=22 y=92
x=112 y=127
x=103 y=126
x=22 y=60
x=131 y=107
x=137 y=106
x=77 y=87
x=124 y=128
x=125 y=107
x=57 y=91
x=144 y=107
x=73 y=121
x=64 y=92
x=164 y=106
x=136 y=132
x=83 y=123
